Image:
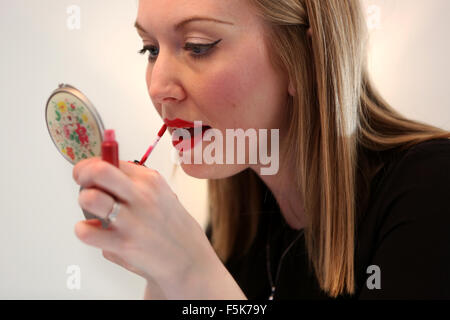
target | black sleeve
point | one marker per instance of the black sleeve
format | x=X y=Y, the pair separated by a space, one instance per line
x=413 y=247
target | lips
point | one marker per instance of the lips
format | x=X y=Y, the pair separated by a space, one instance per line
x=179 y=123
x=188 y=125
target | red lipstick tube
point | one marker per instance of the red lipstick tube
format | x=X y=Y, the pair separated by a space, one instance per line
x=110 y=154
x=110 y=148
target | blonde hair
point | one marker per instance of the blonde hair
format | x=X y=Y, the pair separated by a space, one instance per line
x=336 y=111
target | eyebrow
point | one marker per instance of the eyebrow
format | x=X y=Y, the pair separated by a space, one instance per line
x=184 y=22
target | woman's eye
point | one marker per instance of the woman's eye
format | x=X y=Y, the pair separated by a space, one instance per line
x=199 y=50
x=150 y=50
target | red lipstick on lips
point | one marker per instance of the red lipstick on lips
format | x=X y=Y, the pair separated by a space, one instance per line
x=182 y=124
x=179 y=123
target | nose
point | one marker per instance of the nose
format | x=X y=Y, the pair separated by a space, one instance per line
x=164 y=79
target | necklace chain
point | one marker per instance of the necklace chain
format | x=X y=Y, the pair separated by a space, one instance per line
x=269 y=270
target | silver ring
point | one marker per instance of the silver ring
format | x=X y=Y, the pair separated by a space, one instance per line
x=114 y=212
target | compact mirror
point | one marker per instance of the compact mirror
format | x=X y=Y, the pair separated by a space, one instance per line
x=73 y=124
x=75 y=128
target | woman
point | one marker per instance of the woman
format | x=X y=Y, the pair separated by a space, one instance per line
x=357 y=208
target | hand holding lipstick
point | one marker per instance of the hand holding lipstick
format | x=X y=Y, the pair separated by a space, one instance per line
x=153 y=236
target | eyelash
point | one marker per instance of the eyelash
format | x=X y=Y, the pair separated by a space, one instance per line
x=188 y=46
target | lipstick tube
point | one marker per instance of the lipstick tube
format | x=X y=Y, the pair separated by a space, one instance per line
x=110 y=154
x=110 y=148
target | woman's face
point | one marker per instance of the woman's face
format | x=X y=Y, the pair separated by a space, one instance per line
x=228 y=86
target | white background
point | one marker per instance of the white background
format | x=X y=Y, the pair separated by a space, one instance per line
x=39 y=208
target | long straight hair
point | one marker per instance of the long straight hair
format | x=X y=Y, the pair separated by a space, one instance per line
x=335 y=111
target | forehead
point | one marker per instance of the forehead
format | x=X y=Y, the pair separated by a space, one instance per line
x=154 y=13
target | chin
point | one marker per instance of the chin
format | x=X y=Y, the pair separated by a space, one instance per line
x=212 y=171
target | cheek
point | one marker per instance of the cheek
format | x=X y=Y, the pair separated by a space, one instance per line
x=222 y=91
x=246 y=90
x=231 y=92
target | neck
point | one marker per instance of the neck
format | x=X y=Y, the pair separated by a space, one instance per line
x=288 y=198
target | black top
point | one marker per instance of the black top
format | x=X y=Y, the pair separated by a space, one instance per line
x=404 y=230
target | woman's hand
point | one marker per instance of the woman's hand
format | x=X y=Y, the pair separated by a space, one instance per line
x=153 y=235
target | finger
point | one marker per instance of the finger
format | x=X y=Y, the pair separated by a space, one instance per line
x=126 y=166
x=80 y=165
x=137 y=162
x=132 y=169
x=107 y=177
x=96 y=202
x=97 y=237
x=150 y=176
x=101 y=204
x=94 y=222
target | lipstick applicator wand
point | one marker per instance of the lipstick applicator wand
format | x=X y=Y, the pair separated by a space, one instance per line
x=160 y=134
